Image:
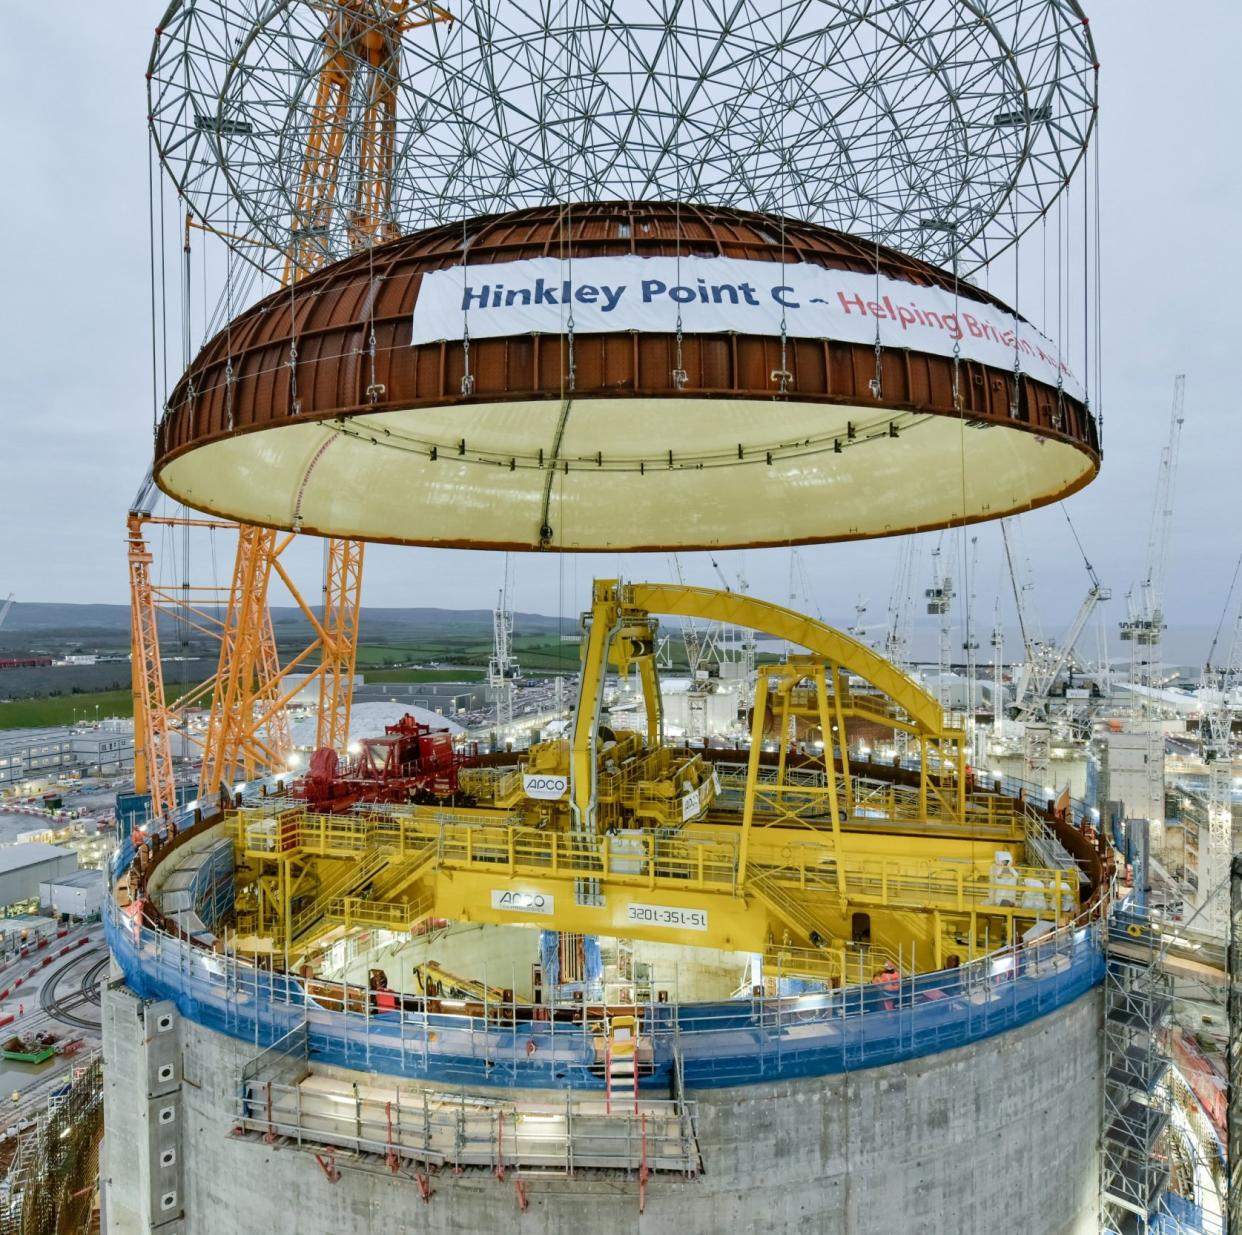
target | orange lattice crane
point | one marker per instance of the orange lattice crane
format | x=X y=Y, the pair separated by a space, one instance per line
x=361 y=62
x=156 y=719
x=247 y=732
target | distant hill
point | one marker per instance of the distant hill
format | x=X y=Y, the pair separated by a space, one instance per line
x=35 y=617
x=49 y=617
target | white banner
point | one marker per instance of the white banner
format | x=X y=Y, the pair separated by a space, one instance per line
x=545 y=788
x=722 y=294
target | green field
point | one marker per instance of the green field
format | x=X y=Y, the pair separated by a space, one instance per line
x=63 y=709
x=391 y=662
x=396 y=654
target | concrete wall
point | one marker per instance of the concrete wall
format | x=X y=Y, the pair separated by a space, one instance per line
x=997 y=1136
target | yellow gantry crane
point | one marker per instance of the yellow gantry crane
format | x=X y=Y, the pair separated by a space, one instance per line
x=247 y=731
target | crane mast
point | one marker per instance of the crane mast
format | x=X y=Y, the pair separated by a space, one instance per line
x=1221 y=692
x=502 y=668
x=900 y=606
x=1045 y=660
x=1144 y=625
x=939 y=599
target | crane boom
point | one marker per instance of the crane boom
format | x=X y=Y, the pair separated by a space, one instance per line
x=1144 y=625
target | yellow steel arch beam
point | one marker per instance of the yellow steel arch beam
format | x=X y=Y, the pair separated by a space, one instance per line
x=737 y=609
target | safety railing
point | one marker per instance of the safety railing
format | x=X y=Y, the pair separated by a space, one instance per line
x=490 y=784
x=699 y=858
x=458 y=1130
x=869 y=800
x=916 y=884
x=688 y=858
x=353 y=911
x=724 y=1043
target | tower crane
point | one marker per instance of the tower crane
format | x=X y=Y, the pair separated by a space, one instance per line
x=900 y=616
x=4 y=610
x=998 y=673
x=939 y=598
x=1144 y=625
x=1022 y=584
x=739 y=641
x=155 y=718
x=1220 y=693
x=692 y=637
x=502 y=668
x=1045 y=660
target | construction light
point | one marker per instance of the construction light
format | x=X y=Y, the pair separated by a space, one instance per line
x=294 y=760
x=354 y=748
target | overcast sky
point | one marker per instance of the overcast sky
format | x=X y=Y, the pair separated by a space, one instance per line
x=75 y=385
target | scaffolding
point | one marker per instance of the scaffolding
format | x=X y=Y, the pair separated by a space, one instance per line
x=1138 y=998
x=384 y=1125
x=50 y=1182
x=1235 y=1045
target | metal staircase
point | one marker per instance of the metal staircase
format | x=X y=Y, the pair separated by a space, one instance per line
x=345 y=882
x=767 y=883
x=405 y=869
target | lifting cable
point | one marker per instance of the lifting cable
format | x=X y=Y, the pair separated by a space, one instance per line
x=877 y=382
x=155 y=381
x=1086 y=293
x=163 y=292
x=295 y=402
x=680 y=377
x=1097 y=321
x=1015 y=405
x=228 y=328
x=781 y=120
x=564 y=217
x=467 y=376
x=186 y=289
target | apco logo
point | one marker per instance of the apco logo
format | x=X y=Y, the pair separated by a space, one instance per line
x=546 y=788
x=691 y=805
x=522 y=902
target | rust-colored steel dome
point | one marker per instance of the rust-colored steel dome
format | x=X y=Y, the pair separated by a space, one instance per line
x=625 y=376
